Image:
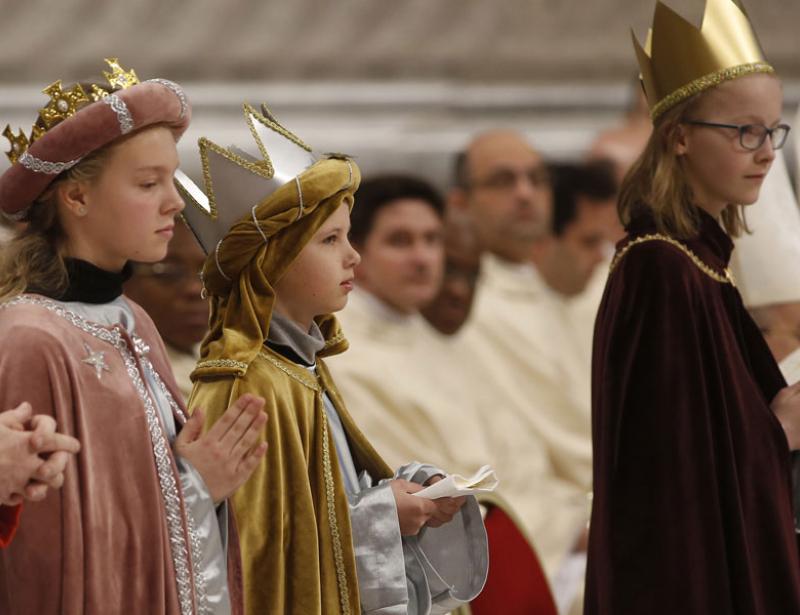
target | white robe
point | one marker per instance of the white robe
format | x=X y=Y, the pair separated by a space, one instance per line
x=419 y=395
x=403 y=390
x=536 y=342
x=182 y=365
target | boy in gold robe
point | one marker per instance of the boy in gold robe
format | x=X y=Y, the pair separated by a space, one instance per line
x=326 y=526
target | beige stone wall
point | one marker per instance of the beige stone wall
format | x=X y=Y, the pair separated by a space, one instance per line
x=474 y=40
x=403 y=84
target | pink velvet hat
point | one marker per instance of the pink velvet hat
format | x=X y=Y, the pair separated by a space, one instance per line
x=71 y=131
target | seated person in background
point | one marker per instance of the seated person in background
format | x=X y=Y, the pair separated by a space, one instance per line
x=452 y=305
x=531 y=352
x=439 y=402
x=169 y=291
x=520 y=325
x=573 y=259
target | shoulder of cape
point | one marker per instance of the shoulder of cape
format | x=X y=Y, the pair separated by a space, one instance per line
x=659 y=254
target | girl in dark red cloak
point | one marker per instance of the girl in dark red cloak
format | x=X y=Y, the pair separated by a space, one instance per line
x=692 y=421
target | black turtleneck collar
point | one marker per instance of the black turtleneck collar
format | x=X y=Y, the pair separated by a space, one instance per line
x=90 y=284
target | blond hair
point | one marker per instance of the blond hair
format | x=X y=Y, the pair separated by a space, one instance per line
x=657 y=183
x=33 y=259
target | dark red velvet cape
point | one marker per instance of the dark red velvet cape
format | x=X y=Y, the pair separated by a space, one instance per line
x=692 y=478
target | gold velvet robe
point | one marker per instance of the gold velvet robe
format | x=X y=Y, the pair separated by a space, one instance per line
x=292 y=514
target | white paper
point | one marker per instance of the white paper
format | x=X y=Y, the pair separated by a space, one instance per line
x=483 y=481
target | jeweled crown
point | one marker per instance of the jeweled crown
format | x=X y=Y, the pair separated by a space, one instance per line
x=680 y=60
x=63 y=104
x=236 y=179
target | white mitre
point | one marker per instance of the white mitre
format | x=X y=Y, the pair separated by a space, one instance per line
x=766 y=262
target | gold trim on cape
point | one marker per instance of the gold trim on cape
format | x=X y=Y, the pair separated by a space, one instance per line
x=726 y=278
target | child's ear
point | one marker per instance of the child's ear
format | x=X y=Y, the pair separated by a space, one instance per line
x=681 y=139
x=72 y=194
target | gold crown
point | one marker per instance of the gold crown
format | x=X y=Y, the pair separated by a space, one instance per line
x=65 y=103
x=680 y=60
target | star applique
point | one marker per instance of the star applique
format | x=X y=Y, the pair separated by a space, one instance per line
x=96 y=360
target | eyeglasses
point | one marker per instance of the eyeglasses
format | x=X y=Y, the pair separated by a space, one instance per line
x=505 y=179
x=752 y=136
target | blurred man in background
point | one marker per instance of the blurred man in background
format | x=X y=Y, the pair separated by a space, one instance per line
x=391 y=377
x=169 y=291
x=452 y=305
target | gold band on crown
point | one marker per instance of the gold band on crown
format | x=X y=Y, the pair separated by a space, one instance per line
x=706 y=82
x=680 y=60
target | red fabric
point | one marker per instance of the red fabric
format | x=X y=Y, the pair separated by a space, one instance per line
x=516 y=583
x=9 y=519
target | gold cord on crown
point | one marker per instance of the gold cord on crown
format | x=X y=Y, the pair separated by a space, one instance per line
x=725 y=278
x=706 y=82
x=63 y=104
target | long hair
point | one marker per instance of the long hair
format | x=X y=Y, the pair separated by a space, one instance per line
x=657 y=183
x=33 y=258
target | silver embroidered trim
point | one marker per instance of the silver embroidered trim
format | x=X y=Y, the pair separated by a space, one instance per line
x=216 y=260
x=200 y=582
x=300 y=198
x=124 y=116
x=37 y=165
x=176 y=89
x=257 y=225
x=142 y=349
x=200 y=586
x=161 y=449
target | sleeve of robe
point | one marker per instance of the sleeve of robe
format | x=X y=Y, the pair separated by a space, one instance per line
x=669 y=391
x=32 y=369
x=9 y=519
x=447 y=566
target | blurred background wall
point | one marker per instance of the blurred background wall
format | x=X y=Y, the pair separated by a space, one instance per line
x=401 y=84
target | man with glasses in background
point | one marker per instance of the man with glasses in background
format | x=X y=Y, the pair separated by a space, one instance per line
x=520 y=327
x=169 y=291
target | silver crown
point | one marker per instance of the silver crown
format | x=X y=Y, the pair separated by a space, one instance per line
x=236 y=180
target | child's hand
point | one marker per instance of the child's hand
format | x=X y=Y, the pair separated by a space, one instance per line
x=446 y=508
x=229 y=452
x=33 y=455
x=412 y=512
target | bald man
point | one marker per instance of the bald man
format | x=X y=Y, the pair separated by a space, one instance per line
x=524 y=331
